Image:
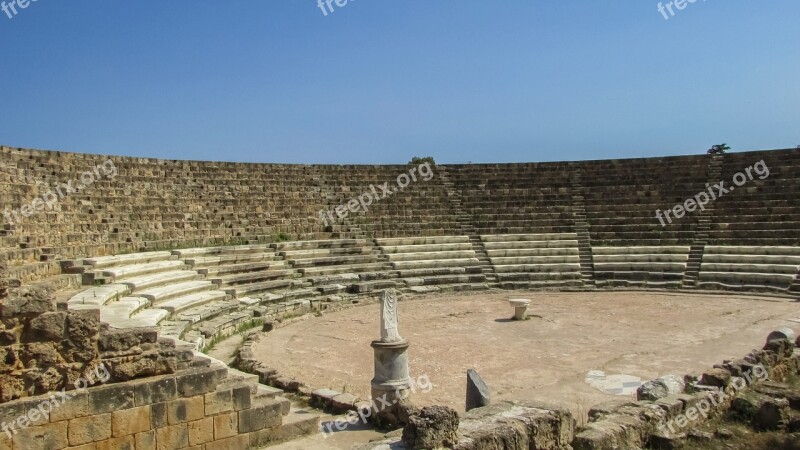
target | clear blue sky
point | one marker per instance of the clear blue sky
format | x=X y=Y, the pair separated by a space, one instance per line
x=379 y=81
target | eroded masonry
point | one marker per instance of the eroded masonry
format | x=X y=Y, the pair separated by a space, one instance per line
x=117 y=274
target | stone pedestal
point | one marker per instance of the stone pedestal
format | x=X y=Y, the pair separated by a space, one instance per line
x=520 y=308
x=392 y=381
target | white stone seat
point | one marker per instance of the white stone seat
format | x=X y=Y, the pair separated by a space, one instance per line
x=99 y=295
x=536 y=251
x=185 y=302
x=227 y=250
x=752 y=268
x=642 y=258
x=521 y=245
x=751 y=259
x=208 y=310
x=529 y=237
x=546 y=268
x=131 y=258
x=465 y=246
x=423 y=256
x=160 y=279
x=122 y=272
x=161 y=293
x=640 y=266
x=504 y=261
x=223 y=260
x=142 y=319
x=639 y=250
x=752 y=250
x=344 y=268
x=393 y=242
x=428 y=263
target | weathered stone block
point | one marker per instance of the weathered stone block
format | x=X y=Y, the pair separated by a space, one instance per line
x=156 y=391
x=119 y=443
x=52 y=435
x=434 y=427
x=199 y=381
x=145 y=440
x=201 y=431
x=260 y=417
x=158 y=415
x=241 y=441
x=130 y=421
x=46 y=327
x=172 y=437
x=241 y=396
x=185 y=410
x=226 y=425
x=219 y=402
x=76 y=406
x=105 y=399
x=89 y=429
x=716 y=377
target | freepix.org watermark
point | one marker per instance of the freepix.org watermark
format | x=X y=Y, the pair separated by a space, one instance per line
x=422 y=384
x=674 y=5
x=10 y=8
x=327 y=5
x=714 y=398
x=42 y=410
x=703 y=198
x=62 y=190
x=363 y=201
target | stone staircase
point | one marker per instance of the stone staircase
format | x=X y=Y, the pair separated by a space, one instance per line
x=466 y=227
x=582 y=229
x=703 y=226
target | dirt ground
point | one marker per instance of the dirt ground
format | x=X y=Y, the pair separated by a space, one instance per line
x=546 y=358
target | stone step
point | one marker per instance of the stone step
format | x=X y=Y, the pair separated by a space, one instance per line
x=185 y=302
x=142 y=319
x=222 y=251
x=235 y=259
x=344 y=268
x=128 y=271
x=163 y=293
x=263 y=287
x=100 y=295
x=241 y=268
x=128 y=259
x=432 y=263
x=159 y=279
x=426 y=256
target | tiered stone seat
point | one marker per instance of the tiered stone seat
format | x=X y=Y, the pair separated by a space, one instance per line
x=534 y=260
x=242 y=271
x=515 y=198
x=622 y=196
x=761 y=212
x=645 y=266
x=434 y=263
x=338 y=265
x=749 y=267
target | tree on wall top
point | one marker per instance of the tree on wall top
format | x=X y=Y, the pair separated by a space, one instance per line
x=719 y=149
x=418 y=161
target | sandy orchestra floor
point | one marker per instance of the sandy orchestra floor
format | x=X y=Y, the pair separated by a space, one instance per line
x=546 y=358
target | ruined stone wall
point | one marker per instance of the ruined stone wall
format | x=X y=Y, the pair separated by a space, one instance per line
x=43 y=349
x=144 y=204
x=194 y=408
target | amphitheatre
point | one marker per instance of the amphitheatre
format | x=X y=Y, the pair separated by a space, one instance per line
x=233 y=305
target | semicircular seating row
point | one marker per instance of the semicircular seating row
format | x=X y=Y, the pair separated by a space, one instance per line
x=199 y=293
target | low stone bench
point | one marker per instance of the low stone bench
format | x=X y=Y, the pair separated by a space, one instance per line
x=120 y=272
x=163 y=293
x=183 y=303
x=160 y=279
x=425 y=256
x=392 y=242
x=128 y=259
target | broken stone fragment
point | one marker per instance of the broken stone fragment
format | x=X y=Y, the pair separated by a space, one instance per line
x=434 y=427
